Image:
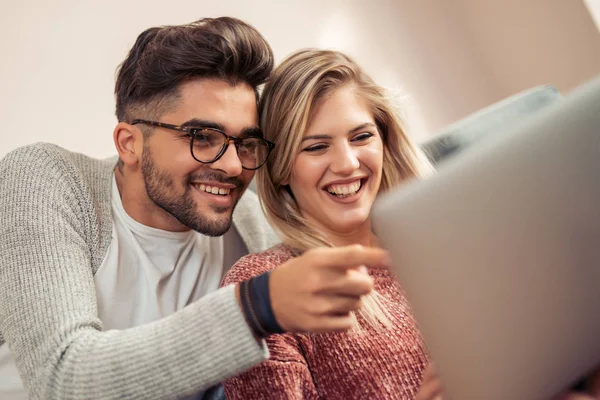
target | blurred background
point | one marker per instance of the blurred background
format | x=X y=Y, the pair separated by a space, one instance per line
x=444 y=59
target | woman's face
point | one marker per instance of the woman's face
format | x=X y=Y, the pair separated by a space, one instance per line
x=337 y=172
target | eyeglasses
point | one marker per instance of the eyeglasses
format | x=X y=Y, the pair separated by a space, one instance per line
x=207 y=145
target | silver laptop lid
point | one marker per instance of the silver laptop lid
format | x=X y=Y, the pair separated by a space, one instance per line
x=499 y=254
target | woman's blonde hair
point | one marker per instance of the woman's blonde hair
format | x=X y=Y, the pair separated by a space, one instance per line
x=289 y=100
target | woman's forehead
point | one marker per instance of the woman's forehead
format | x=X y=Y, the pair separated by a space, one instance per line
x=340 y=112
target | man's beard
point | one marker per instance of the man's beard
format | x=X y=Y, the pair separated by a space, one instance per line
x=161 y=190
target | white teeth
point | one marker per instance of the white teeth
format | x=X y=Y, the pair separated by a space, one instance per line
x=213 y=189
x=344 y=190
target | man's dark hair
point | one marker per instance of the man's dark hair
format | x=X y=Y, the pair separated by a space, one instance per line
x=164 y=57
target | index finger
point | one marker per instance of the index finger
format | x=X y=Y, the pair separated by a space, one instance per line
x=352 y=257
x=430 y=372
x=429 y=390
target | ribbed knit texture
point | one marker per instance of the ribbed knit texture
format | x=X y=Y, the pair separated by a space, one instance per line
x=362 y=364
x=55 y=228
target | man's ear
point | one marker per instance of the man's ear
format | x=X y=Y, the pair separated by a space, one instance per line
x=129 y=142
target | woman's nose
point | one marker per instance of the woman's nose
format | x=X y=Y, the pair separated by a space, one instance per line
x=345 y=160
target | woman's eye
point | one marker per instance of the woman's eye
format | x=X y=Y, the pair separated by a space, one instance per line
x=361 y=137
x=315 y=147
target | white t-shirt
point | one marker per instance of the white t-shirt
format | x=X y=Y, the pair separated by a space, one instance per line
x=147 y=274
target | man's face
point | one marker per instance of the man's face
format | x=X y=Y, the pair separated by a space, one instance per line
x=200 y=196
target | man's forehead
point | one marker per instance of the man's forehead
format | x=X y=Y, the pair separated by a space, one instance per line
x=217 y=104
x=217 y=90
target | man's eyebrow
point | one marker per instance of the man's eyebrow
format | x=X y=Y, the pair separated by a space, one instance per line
x=252 y=131
x=202 y=123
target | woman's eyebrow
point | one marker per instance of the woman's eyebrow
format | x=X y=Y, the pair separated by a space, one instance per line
x=313 y=137
x=353 y=130
x=363 y=126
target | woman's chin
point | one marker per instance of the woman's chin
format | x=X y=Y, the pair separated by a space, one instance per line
x=350 y=224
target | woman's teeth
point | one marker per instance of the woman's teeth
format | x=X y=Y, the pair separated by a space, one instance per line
x=344 y=190
x=213 y=189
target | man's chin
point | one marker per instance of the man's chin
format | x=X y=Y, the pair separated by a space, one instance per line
x=215 y=232
x=212 y=227
x=221 y=211
x=214 y=222
x=212 y=219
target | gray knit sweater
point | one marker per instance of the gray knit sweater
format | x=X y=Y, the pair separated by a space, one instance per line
x=55 y=228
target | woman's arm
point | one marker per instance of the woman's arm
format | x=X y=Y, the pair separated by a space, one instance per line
x=285 y=375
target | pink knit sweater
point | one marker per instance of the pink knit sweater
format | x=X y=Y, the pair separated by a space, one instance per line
x=367 y=364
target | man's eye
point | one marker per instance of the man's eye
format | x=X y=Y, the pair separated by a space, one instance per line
x=249 y=145
x=203 y=138
x=207 y=138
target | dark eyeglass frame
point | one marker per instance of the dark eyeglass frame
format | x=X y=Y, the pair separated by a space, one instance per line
x=194 y=131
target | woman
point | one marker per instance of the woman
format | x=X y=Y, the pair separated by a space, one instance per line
x=339 y=144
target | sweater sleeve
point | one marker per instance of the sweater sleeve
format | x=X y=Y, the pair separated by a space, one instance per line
x=48 y=311
x=286 y=375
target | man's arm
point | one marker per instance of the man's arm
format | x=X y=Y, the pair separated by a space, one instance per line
x=48 y=313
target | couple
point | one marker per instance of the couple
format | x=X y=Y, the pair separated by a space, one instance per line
x=109 y=270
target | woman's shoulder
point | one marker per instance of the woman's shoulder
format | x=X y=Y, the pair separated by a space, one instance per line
x=257 y=263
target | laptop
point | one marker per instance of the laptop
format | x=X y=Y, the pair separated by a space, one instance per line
x=499 y=256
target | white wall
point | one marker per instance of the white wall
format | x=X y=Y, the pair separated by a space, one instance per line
x=447 y=58
x=594 y=7
x=532 y=42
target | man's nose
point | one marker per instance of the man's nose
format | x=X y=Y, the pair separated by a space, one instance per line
x=229 y=163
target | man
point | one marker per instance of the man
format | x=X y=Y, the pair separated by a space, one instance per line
x=109 y=270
